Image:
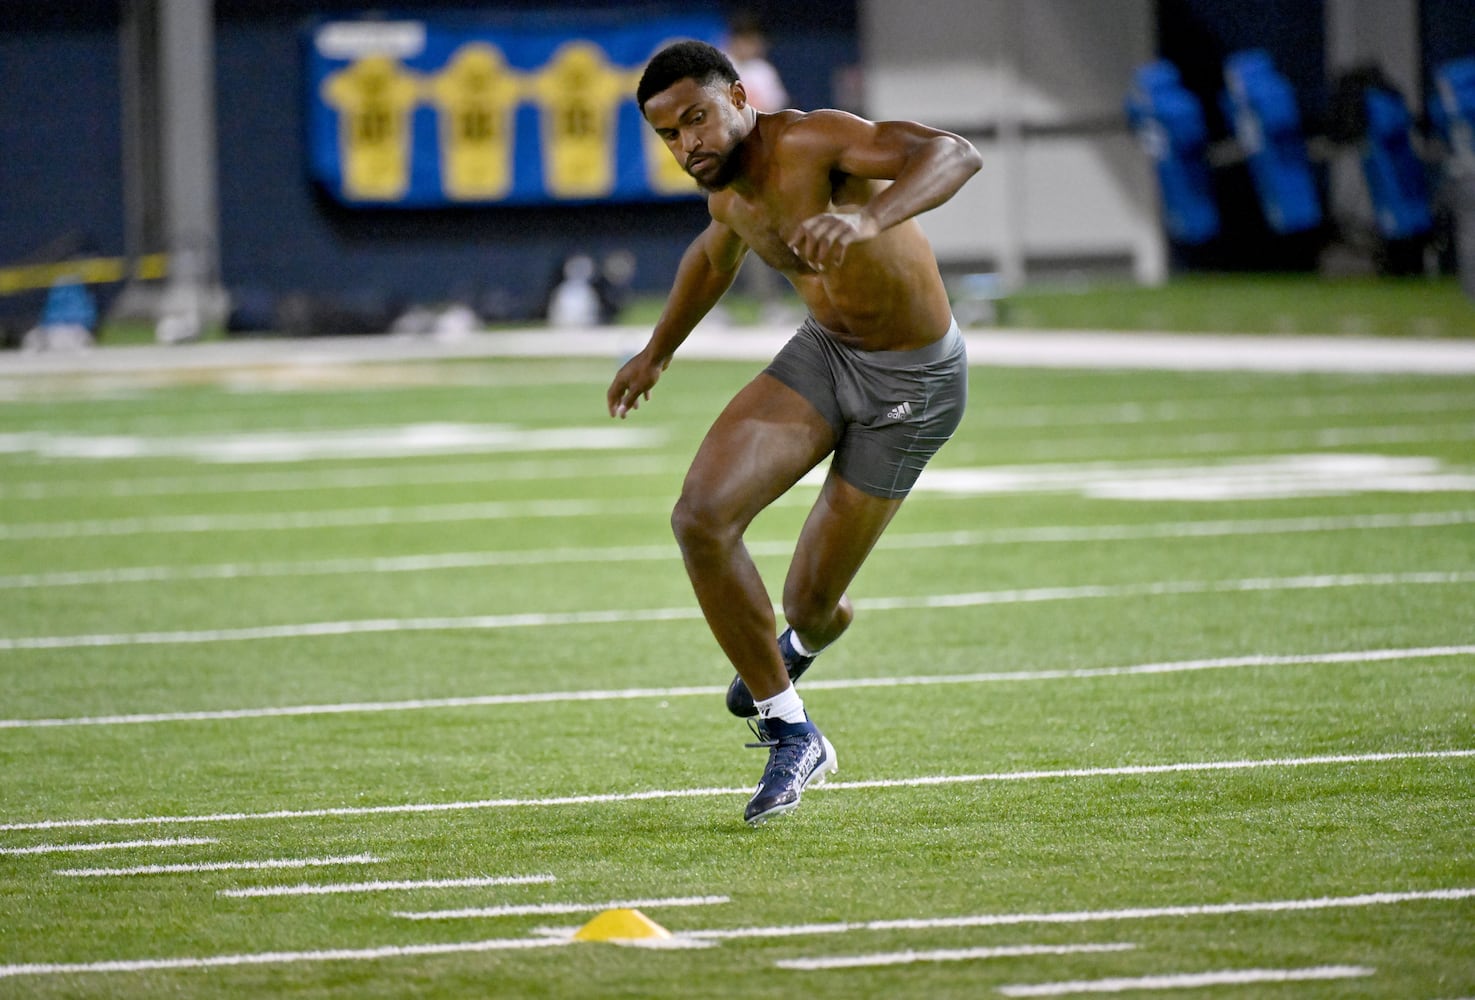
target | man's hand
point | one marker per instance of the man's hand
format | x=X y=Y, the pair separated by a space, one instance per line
x=633 y=383
x=820 y=240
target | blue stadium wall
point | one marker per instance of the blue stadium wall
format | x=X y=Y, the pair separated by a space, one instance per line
x=61 y=189
x=61 y=184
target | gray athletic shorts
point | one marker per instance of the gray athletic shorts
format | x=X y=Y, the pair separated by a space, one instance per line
x=892 y=410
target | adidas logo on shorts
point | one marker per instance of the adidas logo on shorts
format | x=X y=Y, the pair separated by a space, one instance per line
x=899 y=412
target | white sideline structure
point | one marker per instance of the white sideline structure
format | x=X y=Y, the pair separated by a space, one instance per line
x=711 y=341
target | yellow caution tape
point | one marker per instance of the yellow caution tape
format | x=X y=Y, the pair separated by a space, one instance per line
x=92 y=271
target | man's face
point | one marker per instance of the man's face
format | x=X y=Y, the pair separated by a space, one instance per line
x=701 y=125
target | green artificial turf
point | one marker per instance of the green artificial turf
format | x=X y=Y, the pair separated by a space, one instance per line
x=1205 y=303
x=1270 y=303
x=1216 y=734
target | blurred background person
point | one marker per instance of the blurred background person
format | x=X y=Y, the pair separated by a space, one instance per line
x=747 y=47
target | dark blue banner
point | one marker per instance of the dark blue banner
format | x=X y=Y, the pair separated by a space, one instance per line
x=414 y=114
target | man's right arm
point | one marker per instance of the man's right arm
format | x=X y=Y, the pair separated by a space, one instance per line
x=706 y=271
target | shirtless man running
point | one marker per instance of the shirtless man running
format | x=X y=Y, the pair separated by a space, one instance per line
x=876 y=375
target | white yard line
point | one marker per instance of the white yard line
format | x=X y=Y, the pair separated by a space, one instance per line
x=353 y=517
x=656 y=795
x=352 y=887
x=247 y=374
x=354 y=567
x=391 y=441
x=1185 y=980
x=1179 y=411
x=910 y=957
x=282 y=957
x=645 y=553
x=361 y=627
x=109 y=845
x=375 y=477
x=1162 y=588
x=1247 y=478
x=562 y=939
x=227 y=412
x=1244 y=478
x=1064 y=415
x=840 y=684
x=1100 y=350
x=222 y=866
x=1089 y=916
x=534 y=908
x=538 y=619
x=1238 y=441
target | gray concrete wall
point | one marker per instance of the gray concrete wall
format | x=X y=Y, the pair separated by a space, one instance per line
x=1038 y=86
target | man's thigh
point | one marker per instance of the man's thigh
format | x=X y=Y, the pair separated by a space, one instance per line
x=762 y=443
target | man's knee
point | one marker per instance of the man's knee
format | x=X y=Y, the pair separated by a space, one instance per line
x=804 y=612
x=699 y=526
x=815 y=613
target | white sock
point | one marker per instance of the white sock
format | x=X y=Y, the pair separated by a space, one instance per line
x=786 y=705
x=798 y=646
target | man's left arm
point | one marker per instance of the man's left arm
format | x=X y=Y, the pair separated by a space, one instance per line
x=926 y=166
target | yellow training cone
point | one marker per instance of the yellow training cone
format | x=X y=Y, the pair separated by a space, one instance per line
x=621 y=925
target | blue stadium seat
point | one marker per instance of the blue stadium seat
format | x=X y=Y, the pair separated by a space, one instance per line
x=1452 y=106
x=1395 y=176
x=1169 y=123
x=1261 y=106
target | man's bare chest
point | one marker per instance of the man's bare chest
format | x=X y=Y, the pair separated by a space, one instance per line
x=766 y=226
x=771 y=248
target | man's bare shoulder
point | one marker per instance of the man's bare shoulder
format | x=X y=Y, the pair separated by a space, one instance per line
x=821 y=125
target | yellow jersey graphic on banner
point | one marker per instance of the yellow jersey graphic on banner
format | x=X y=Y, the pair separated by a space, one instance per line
x=375 y=98
x=476 y=98
x=579 y=94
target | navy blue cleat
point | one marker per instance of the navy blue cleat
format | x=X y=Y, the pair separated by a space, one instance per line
x=798 y=756
x=740 y=700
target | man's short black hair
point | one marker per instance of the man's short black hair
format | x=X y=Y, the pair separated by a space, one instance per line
x=682 y=61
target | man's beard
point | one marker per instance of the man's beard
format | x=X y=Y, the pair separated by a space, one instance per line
x=727 y=169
